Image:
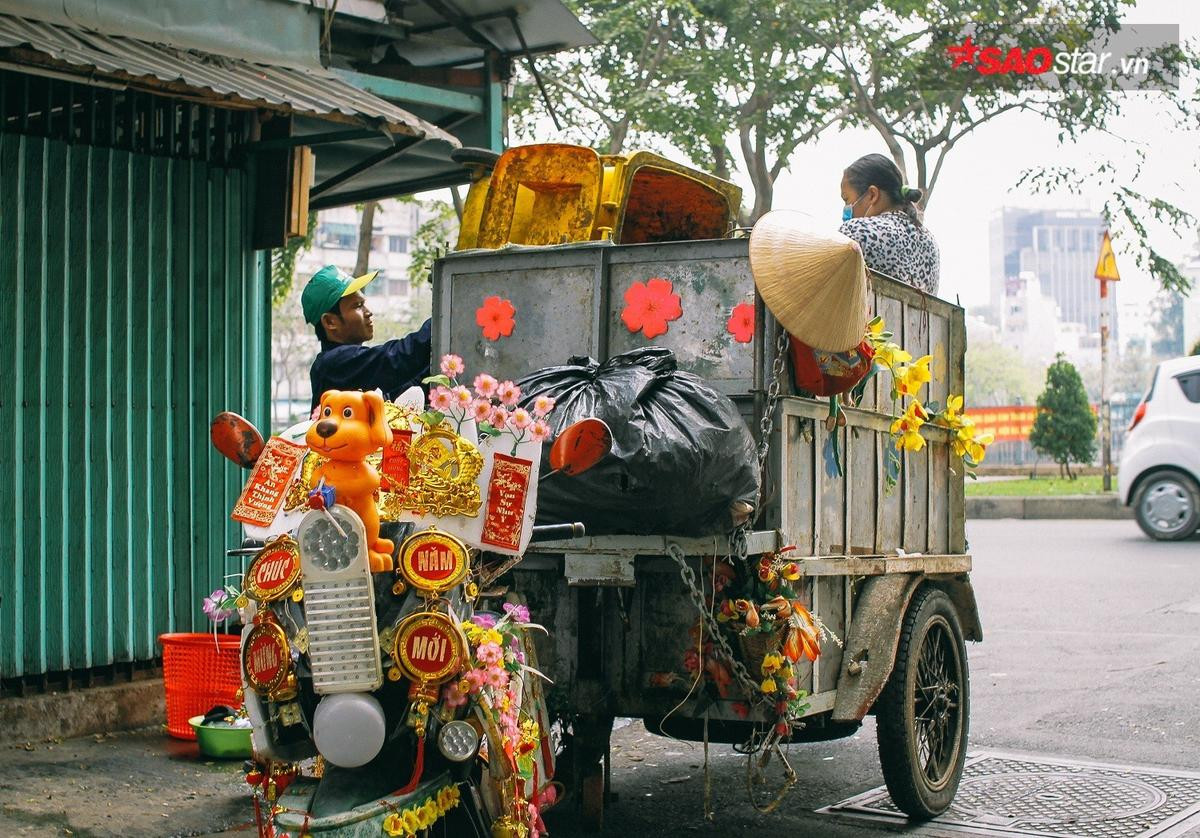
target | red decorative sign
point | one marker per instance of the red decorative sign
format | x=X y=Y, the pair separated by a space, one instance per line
x=649 y=306
x=274 y=570
x=429 y=648
x=267 y=487
x=265 y=658
x=506 y=502
x=394 y=469
x=433 y=561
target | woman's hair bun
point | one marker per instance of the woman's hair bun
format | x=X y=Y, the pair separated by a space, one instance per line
x=912 y=194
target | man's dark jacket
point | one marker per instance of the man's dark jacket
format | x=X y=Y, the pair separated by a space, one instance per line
x=392 y=367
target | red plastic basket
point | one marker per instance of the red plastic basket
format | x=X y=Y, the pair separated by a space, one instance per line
x=199 y=673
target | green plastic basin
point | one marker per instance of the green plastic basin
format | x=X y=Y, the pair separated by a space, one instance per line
x=222 y=742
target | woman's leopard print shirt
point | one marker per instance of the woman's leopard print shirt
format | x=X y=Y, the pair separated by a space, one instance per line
x=894 y=246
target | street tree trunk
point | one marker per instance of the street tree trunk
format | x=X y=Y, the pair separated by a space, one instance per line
x=366 y=227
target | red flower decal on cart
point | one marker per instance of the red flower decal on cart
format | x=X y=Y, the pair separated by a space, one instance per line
x=495 y=316
x=741 y=323
x=649 y=306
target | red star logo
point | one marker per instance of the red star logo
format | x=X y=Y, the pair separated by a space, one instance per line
x=963 y=53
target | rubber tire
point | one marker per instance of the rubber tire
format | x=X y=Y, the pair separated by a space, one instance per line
x=895 y=728
x=1187 y=484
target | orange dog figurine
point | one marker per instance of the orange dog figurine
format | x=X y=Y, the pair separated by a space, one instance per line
x=349 y=426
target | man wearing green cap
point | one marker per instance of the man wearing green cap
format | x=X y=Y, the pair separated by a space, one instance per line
x=334 y=304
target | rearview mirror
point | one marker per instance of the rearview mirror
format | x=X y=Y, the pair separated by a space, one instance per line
x=236 y=439
x=580 y=446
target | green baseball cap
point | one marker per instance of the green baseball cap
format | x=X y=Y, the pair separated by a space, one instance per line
x=326 y=287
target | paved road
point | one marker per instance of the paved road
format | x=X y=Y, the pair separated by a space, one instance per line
x=1092 y=646
x=1091 y=650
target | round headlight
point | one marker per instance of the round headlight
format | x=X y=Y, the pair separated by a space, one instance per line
x=458 y=741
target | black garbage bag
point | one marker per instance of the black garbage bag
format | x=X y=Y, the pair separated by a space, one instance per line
x=682 y=455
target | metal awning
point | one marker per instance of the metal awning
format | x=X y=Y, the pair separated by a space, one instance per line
x=221 y=79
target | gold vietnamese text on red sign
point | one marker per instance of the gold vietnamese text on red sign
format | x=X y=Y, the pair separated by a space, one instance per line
x=1106 y=265
x=267 y=661
x=275 y=570
x=268 y=483
x=433 y=561
x=429 y=647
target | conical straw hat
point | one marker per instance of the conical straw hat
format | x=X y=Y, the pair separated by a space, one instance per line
x=815 y=285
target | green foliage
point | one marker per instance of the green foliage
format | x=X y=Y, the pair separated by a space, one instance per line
x=1065 y=427
x=283 y=263
x=431 y=240
x=1195 y=348
x=1166 y=325
x=997 y=375
x=772 y=76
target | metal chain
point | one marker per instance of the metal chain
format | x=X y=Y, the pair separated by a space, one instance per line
x=767 y=420
x=748 y=684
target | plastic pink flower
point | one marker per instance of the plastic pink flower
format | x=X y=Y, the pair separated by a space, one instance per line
x=452 y=365
x=542 y=405
x=219 y=606
x=508 y=393
x=521 y=419
x=452 y=696
x=481 y=410
x=497 y=678
x=476 y=678
x=484 y=620
x=489 y=653
x=462 y=397
x=499 y=419
x=440 y=398
x=540 y=432
x=485 y=385
x=517 y=613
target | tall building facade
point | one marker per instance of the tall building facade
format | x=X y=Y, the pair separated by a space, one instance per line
x=1060 y=248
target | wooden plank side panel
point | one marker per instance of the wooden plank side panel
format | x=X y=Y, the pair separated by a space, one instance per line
x=957 y=500
x=916 y=500
x=831 y=609
x=831 y=495
x=862 y=480
x=800 y=501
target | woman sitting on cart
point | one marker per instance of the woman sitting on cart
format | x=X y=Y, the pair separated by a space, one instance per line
x=881 y=215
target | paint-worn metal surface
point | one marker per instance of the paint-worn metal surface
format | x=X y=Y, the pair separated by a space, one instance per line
x=133 y=311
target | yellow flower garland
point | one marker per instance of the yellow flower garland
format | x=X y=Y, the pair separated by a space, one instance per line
x=412 y=819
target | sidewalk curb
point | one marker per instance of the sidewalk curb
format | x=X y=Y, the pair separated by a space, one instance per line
x=1101 y=507
x=82 y=712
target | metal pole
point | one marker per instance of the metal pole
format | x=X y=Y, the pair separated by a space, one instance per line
x=1105 y=407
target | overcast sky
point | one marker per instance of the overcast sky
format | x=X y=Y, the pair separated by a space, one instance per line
x=981 y=172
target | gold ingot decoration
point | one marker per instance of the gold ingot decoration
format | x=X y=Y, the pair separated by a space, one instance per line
x=297 y=496
x=445 y=467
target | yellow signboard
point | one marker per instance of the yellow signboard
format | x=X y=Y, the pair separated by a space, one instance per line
x=1106 y=266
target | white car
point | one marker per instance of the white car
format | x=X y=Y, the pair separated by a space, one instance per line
x=1159 y=473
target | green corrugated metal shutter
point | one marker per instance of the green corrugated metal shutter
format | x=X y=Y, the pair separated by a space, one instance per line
x=132 y=309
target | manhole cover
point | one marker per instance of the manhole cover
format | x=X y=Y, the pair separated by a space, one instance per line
x=1016 y=794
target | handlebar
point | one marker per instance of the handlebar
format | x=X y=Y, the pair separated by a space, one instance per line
x=557 y=532
x=546 y=532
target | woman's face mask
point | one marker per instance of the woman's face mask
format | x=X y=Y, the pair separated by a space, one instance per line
x=848 y=209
